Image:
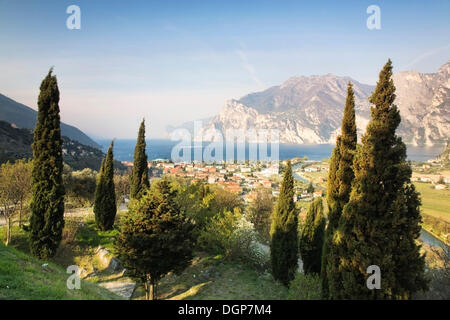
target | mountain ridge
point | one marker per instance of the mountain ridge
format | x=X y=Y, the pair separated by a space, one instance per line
x=15 y=143
x=25 y=117
x=308 y=109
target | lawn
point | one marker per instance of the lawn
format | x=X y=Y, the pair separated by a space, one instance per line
x=210 y=278
x=435 y=203
x=25 y=277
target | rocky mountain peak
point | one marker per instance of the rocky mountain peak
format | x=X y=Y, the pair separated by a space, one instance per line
x=308 y=109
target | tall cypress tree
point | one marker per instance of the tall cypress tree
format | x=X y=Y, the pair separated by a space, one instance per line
x=47 y=205
x=340 y=178
x=380 y=223
x=105 y=208
x=283 y=232
x=312 y=237
x=139 y=175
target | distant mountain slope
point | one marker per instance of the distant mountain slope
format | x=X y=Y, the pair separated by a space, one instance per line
x=25 y=117
x=424 y=103
x=445 y=155
x=309 y=109
x=15 y=143
x=305 y=110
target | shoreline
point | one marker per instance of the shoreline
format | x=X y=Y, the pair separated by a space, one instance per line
x=427 y=229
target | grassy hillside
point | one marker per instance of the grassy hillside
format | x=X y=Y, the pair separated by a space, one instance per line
x=435 y=203
x=24 y=277
x=213 y=278
x=25 y=117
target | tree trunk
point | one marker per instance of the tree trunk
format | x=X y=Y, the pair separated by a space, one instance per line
x=147 y=287
x=153 y=290
x=8 y=230
x=20 y=214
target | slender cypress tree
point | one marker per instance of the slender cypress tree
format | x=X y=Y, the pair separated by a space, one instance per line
x=340 y=178
x=283 y=232
x=139 y=175
x=105 y=195
x=380 y=223
x=47 y=204
x=312 y=237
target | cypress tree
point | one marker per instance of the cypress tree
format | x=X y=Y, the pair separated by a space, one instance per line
x=139 y=175
x=310 y=188
x=312 y=237
x=283 y=232
x=105 y=195
x=381 y=221
x=47 y=204
x=340 y=178
x=155 y=237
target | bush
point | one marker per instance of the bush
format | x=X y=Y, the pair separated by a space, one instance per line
x=305 y=287
x=244 y=246
x=80 y=188
x=216 y=237
x=232 y=235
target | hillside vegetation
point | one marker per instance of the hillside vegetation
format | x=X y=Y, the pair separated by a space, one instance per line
x=15 y=143
x=25 y=277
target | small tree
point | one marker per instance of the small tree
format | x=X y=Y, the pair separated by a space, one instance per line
x=312 y=237
x=122 y=185
x=15 y=189
x=105 y=196
x=260 y=211
x=310 y=188
x=155 y=237
x=283 y=232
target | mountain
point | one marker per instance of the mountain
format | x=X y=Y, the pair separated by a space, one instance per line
x=15 y=143
x=424 y=103
x=25 y=117
x=308 y=110
x=445 y=155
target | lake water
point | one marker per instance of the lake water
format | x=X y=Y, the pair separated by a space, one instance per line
x=161 y=149
x=428 y=238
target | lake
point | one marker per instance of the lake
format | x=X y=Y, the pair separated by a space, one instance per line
x=161 y=149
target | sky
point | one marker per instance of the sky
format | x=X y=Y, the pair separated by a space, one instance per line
x=177 y=61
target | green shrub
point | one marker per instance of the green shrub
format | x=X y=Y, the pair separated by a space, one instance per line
x=305 y=287
x=232 y=235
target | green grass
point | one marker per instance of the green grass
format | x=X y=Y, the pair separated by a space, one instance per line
x=88 y=235
x=226 y=281
x=435 y=203
x=23 y=277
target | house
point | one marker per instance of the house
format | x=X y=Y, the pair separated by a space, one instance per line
x=212 y=179
x=317 y=194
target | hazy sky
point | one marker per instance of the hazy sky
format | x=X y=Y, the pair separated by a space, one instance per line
x=175 y=61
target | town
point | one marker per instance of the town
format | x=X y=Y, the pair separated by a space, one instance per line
x=243 y=178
